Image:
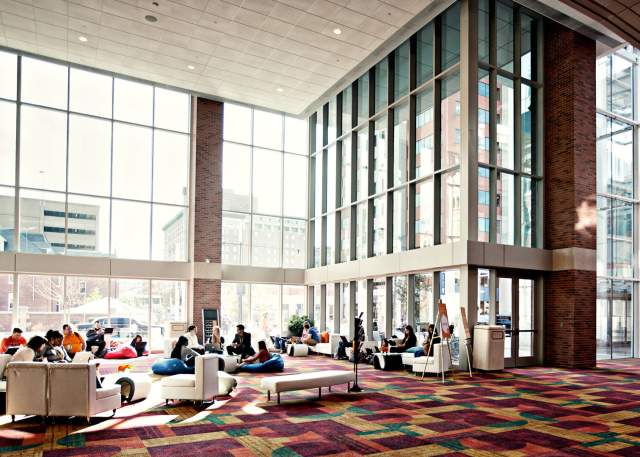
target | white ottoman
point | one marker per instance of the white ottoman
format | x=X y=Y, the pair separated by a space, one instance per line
x=298 y=350
x=133 y=386
x=230 y=362
x=226 y=383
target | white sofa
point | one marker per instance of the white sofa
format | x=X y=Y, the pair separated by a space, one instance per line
x=27 y=385
x=329 y=348
x=73 y=391
x=57 y=389
x=439 y=362
x=200 y=386
x=303 y=381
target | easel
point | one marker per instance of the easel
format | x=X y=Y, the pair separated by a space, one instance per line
x=467 y=340
x=442 y=311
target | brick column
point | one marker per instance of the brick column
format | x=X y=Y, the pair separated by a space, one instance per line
x=208 y=203
x=569 y=197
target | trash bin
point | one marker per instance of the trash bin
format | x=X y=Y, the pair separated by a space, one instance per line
x=488 y=347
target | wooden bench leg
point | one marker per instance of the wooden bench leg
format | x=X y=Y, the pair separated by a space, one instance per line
x=268 y=395
x=349 y=386
x=329 y=388
x=319 y=393
x=278 y=397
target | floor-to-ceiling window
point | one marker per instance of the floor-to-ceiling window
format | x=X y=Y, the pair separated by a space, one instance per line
x=264 y=185
x=91 y=164
x=370 y=184
x=617 y=203
x=509 y=171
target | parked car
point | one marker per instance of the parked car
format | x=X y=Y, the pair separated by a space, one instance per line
x=123 y=327
x=505 y=321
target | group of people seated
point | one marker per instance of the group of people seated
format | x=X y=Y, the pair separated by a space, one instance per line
x=61 y=347
x=187 y=346
x=310 y=336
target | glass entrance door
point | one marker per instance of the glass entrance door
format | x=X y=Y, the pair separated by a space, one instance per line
x=515 y=311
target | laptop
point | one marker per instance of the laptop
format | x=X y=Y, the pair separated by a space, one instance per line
x=108 y=331
x=344 y=339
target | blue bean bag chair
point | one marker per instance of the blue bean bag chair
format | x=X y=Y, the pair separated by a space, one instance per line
x=171 y=366
x=275 y=363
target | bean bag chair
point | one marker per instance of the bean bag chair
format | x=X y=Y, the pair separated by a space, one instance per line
x=122 y=352
x=167 y=367
x=275 y=363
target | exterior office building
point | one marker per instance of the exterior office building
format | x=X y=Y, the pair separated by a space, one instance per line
x=459 y=162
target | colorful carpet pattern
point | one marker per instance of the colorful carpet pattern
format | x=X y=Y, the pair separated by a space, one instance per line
x=518 y=412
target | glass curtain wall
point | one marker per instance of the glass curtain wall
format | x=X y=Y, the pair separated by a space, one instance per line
x=264 y=309
x=509 y=171
x=617 y=202
x=100 y=157
x=264 y=184
x=374 y=186
x=131 y=306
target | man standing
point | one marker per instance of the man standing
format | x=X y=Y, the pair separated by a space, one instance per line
x=14 y=340
x=241 y=344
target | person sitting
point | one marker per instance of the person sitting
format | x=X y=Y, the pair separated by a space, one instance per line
x=32 y=352
x=407 y=342
x=430 y=341
x=216 y=341
x=192 y=338
x=138 y=345
x=95 y=337
x=72 y=341
x=15 y=340
x=310 y=335
x=182 y=351
x=261 y=357
x=241 y=344
x=53 y=350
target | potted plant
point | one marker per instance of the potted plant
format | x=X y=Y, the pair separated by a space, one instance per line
x=296 y=323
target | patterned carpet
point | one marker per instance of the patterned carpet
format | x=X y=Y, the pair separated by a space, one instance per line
x=518 y=412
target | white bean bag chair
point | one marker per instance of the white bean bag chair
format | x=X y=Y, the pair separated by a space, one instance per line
x=226 y=383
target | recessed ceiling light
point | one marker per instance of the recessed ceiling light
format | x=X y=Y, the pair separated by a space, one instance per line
x=191 y=67
x=280 y=89
x=84 y=39
x=150 y=18
x=337 y=31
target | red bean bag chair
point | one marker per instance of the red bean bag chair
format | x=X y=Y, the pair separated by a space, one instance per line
x=122 y=352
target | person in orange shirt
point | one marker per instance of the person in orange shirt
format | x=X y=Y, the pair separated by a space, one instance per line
x=14 y=340
x=72 y=341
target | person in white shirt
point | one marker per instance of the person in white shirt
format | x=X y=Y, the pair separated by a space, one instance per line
x=32 y=352
x=192 y=338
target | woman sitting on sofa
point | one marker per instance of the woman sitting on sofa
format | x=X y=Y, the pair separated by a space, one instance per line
x=407 y=342
x=54 y=351
x=261 y=357
x=32 y=352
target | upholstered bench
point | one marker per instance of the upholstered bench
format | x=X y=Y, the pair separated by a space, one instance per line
x=304 y=381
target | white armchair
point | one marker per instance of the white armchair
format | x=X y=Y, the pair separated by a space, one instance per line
x=27 y=389
x=200 y=386
x=329 y=348
x=73 y=391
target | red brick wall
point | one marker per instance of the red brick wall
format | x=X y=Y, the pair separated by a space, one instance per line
x=208 y=203
x=570 y=187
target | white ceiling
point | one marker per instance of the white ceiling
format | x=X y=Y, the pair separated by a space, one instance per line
x=241 y=50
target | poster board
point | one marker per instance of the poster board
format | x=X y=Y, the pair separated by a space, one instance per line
x=444 y=320
x=465 y=323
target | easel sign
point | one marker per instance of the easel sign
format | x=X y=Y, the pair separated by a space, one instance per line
x=444 y=320
x=467 y=338
x=465 y=323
